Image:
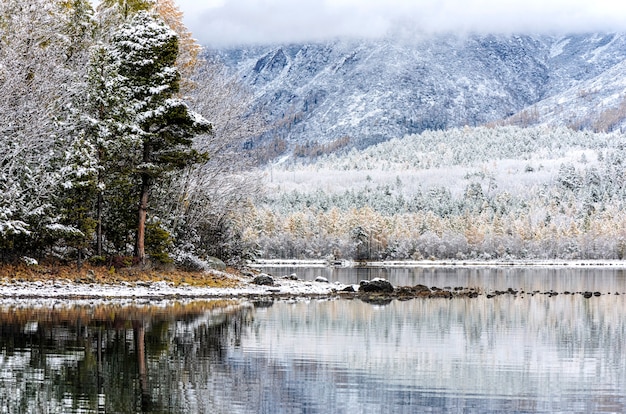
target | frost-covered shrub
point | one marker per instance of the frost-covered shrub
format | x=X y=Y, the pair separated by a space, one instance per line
x=189 y=262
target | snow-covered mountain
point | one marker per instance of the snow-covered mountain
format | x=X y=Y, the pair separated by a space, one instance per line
x=375 y=90
x=597 y=103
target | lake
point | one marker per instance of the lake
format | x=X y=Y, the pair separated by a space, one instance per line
x=523 y=353
x=529 y=279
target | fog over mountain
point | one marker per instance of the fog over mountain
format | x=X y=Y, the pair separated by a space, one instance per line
x=373 y=90
x=221 y=23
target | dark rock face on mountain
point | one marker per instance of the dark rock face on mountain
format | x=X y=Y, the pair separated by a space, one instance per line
x=374 y=90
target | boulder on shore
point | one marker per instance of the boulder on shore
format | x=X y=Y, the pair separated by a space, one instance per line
x=215 y=263
x=263 y=280
x=376 y=285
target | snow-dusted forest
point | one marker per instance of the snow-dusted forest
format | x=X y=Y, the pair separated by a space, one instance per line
x=121 y=144
x=479 y=193
x=117 y=140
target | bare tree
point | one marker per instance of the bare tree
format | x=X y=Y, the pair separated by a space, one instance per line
x=203 y=200
x=39 y=51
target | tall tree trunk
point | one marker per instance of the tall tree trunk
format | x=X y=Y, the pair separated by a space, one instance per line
x=99 y=228
x=143 y=213
x=79 y=258
x=146 y=182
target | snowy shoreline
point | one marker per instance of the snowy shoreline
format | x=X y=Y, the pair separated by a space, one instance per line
x=66 y=289
x=284 y=287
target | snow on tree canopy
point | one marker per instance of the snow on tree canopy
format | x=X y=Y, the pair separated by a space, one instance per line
x=138 y=40
x=13 y=227
x=146 y=51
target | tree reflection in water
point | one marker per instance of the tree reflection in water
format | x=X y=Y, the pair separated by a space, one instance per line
x=110 y=358
x=509 y=353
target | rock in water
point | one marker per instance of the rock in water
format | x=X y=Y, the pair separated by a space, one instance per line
x=376 y=285
x=321 y=279
x=264 y=280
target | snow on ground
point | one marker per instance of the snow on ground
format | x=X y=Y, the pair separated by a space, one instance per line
x=66 y=289
x=59 y=290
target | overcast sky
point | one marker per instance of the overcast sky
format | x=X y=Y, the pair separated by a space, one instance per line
x=228 y=22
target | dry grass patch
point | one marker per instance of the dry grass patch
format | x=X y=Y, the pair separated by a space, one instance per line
x=104 y=275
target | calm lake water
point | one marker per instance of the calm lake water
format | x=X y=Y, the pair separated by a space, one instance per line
x=505 y=354
x=529 y=279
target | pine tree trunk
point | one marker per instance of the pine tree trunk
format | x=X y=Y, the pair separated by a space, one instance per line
x=143 y=213
x=79 y=258
x=99 y=228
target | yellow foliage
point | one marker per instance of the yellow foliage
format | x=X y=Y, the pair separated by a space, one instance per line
x=188 y=48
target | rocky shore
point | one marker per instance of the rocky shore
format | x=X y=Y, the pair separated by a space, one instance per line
x=245 y=284
x=382 y=291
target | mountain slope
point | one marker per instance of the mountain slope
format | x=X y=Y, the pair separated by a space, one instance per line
x=375 y=90
x=597 y=104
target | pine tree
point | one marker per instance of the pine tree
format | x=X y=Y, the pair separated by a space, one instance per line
x=76 y=193
x=79 y=28
x=147 y=50
x=103 y=118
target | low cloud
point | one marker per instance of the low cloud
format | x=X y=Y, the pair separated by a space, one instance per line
x=230 y=22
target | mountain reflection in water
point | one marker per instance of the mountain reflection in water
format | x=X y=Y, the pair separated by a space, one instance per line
x=513 y=354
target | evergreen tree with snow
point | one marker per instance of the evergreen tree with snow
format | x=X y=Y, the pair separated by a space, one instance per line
x=147 y=49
